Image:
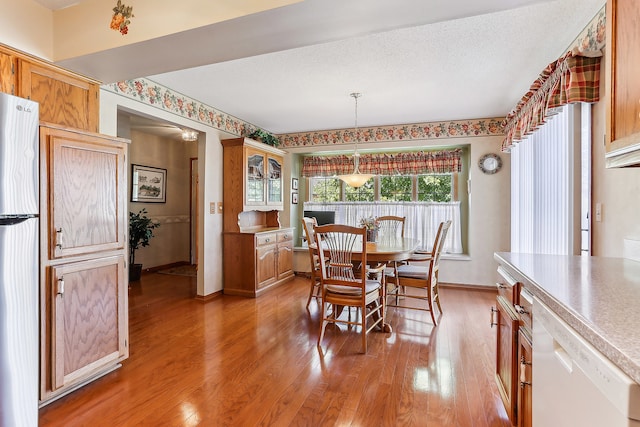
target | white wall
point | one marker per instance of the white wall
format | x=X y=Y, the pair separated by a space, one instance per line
x=27 y=26
x=618 y=190
x=210 y=182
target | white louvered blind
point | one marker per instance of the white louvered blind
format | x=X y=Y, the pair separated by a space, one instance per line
x=544 y=196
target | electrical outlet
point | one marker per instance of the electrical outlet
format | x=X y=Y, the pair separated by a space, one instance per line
x=212 y=208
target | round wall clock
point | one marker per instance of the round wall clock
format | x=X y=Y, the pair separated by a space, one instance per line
x=490 y=163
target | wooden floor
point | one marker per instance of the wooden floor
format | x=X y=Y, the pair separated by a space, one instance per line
x=243 y=362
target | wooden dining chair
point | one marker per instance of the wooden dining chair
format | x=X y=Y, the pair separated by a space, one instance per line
x=344 y=287
x=390 y=226
x=309 y=225
x=421 y=282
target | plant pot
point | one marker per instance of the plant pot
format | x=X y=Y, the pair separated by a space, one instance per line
x=135 y=271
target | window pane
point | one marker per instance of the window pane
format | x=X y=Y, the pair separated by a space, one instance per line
x=324 y=189
x=435 y=187
x=395 y=188
x=362 y=194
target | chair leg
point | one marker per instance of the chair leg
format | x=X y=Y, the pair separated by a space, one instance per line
x=324 y=321
x=430 y=301
x=314 y=291
x=363 y=319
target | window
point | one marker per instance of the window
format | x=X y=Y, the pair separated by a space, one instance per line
x=365 y=193
x=435 y=187
x=325 y=189
x=396 y=188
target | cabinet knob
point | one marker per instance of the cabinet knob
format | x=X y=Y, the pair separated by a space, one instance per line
x=267 y=239
x=520 y=309
x=500 y=286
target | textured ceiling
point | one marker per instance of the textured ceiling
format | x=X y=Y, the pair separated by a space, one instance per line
x=291 y=69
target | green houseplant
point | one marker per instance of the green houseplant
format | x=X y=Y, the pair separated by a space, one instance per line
x=265 y=137
x=140 y=232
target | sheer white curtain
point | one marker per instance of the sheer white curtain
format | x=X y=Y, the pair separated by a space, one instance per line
x=421 y=223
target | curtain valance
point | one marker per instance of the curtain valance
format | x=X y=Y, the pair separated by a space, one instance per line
x=572 y=78
x=413 y=163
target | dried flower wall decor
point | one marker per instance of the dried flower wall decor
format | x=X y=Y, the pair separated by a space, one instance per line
x=121 y=18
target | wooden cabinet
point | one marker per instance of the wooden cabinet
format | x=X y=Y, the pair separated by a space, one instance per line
x=87 y=200
x=88 y=322
x=622 y=63
x=83 y=236
x=65 y=98
x=257 y=251
x=525 y=359
x=514 y=319
x=506 y=356
x=8 y=64
x=270 y=265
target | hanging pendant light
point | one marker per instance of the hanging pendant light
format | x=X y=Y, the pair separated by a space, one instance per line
x=356 y=179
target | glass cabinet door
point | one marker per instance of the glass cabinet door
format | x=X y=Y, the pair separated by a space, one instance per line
x=255 y=179
x=274 y=181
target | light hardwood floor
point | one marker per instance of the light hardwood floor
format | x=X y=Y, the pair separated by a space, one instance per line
x=243 y=362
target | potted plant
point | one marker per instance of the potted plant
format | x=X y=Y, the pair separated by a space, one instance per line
x=264 y=137
x=140 y=232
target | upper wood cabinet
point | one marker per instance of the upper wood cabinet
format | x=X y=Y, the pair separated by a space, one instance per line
x=253 y=184
x=65 y=98
x=622 y=64
x=85 y=174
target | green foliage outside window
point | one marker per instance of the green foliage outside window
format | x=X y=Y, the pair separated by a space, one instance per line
x=325 y=189
x=395 y=188
x=434 y=188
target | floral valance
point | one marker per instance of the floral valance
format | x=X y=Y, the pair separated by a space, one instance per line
x=572 y=78
x=412 y=163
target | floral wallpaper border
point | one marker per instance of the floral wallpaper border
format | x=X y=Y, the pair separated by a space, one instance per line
x=146 y=91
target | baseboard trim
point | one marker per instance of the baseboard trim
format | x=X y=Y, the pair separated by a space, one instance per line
x=164 y=267
x=466 y=287
x=210 y=297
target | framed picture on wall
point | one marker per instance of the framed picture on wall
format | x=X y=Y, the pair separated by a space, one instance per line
x=294 y=183
x=294 y=198
x=148 y=184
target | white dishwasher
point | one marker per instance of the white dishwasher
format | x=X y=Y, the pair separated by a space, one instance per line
x=573 y=384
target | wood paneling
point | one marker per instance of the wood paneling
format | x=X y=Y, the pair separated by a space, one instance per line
x=8 y=65
x=64 y=98
x=241 y=361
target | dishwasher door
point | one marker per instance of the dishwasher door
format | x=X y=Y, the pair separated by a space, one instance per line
x=573 y=384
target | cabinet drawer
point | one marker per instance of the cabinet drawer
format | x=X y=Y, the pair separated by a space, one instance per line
x=265 y=239
x=507 y=286
x=285 y=236
x=524 y=309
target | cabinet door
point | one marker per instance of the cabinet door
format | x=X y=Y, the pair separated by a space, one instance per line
x=8 y=65
x=623 y=61
x=88 y=318
x=285 y=259
x=86 y=195
x=525 y=359
x=255 y=178
x=265 y=265
x=64 y=99
x=274 y=181
x=506 y=356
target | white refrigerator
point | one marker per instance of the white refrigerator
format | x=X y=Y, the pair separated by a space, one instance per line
x=19 y=255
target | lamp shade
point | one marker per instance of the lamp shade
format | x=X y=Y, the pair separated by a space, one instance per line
x=355 y=179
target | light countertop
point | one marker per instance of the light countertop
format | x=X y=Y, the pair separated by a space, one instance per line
x=599 y=297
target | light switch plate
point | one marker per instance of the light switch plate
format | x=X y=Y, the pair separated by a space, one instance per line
x=219 y=207
x=598 y=212
x=212 y=208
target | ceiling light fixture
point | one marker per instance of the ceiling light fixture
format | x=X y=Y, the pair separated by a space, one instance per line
x=356 y=179
x=189 y=135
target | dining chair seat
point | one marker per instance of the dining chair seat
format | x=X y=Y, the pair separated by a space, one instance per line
x=413 y=271
x=370 y=286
